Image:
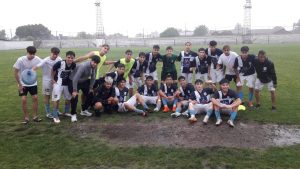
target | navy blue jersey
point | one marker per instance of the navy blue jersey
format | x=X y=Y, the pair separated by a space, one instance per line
x=152 y=60
x=202 y=64
x=148 y=91
x=121 y=94
x=138 y=68
x=186 y=92
x=202 y=97
x=168 y=90
x=103 y=93
x=63 y=72
x=227 y=99
x=247 y=65
x=187 y=60
x=214 y=56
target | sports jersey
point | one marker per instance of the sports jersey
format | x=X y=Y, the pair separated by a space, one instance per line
x=148 y=91
x=265 y=71
x=168 y=90
x=202 y=97
x=103 y=94
x=187 y=61
x=152 y=61
x=169 y=63
x=228 y=62
x=128 y=66
x=102 y=60
x=121 y=94
x=202 y=64
x=227 y=99
x=245 y=67
x=24 y=63
x=63 y=72
x=186 y=91
x=214 y=56
x=47 y=64
x=138 y=68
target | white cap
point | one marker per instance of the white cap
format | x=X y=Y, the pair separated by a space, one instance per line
x=108 y=79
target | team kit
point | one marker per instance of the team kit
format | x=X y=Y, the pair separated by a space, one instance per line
x=132 y=84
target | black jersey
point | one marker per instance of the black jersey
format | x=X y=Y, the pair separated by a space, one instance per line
x=265 y=71
x=214 y=56
x=63 y=72
x=227 y=99
x=202 y=64
x=245 y=67
x=202 y=97
x=148 y=91
x=187 y=60
x=168 y=90
x=103 y=94
x=186 y=92
x=152 y=61
x=138 y=68
x=121 y=94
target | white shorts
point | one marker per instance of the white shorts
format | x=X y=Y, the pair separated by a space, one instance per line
x=153 y=74
x=132 y=101
x=58 y=90
x=150 y=99
x=202 y=108
x=216 y=75
x=121 y=108
x=47 y=87
x=188 y=77
x=250 y=81
x=202 y=77
x=259 y=85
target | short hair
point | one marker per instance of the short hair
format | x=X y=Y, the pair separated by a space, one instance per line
x=223 y=81
x=96 y=59
x=121 y=65
x=187 y=43
x=245 y=49
x=213 y=43
x=226 y=47
x=169 y=76
x=121 y=80
x=71 y=53
x=201 y=49
x=149 y=78
x=55 y=50
x=128 y=51
x=106 y=45
x=181 y=78
x=199 y=81
x=169 y=48
x=31 y=50
x=261 y=52
x=156 y=47
x=142 y=54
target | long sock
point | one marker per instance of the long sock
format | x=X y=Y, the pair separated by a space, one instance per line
x=218 y=115
x=241 y=95
x=178 y=109
x=165 y=102
x=145 y=106
x=209 y=112
x=55 y=112
x=250 y=96
x=175 y=102
x=158 y=105
x=47 y=108
x=233 y=116
x=139 y=111
x=67 y=108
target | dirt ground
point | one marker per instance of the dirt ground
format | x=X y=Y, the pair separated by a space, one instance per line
x=180 y=133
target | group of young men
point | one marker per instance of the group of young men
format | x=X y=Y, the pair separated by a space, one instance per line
x=114 y=91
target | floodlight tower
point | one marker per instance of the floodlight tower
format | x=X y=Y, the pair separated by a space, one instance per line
x=99 y=20
x=247 y=23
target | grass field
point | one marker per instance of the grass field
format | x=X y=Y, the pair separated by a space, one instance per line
x=46 y=145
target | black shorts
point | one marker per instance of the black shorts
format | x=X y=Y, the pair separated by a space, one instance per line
x=164 y=75
x=230 y=77
x=32 y=90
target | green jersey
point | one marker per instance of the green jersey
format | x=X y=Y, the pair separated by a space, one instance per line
x=169 y=63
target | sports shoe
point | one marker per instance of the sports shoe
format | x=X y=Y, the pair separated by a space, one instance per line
x=192 y=119
x=219 y=121
x=156 y=109
x=73 y=118
x=25 y=121
x=59 y=113
x=148 y=110
x=273 y=108
x=176 y=114
x=166 y=109
x=257 y=106
x=186 y=113
x=37 y=119
x=56 y=120
x=49 y=115
x=85 y=113
x=67 y=114
x=230 y=123
x=250 y=104
x=144 y=114
x=205 y=120
x=174 y=109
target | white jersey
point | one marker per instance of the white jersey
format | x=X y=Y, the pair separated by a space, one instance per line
x=24 y=63
x=47 y=65
x=228 y=62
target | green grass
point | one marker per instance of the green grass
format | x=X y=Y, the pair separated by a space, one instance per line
x=51 y=146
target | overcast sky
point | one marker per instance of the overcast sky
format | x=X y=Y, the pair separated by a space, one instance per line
x=130 y=17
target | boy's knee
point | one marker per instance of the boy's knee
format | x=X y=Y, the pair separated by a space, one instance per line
x=98 y=106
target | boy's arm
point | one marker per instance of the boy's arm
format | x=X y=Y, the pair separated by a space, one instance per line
x=85 y=57
x=109 y=62
x=17 y=77
x=273 y=74
x=42 y=62
x=162 y=94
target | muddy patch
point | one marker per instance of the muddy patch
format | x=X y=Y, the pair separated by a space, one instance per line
x=179 y=133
